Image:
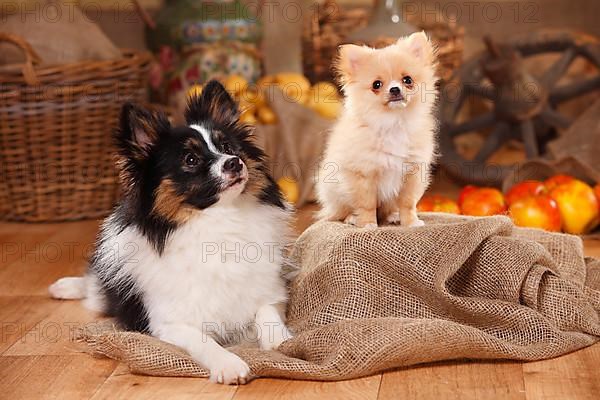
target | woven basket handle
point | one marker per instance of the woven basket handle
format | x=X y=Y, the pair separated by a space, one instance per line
x=31 y=57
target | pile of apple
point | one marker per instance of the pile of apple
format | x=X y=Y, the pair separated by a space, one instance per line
x=322 y=97
x=560 y=203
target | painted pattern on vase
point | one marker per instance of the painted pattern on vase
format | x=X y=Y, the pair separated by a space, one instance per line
x=196 y=41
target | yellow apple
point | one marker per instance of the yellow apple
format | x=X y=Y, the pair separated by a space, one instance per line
x=252 y=96
x=578 y=206
x=482 y=202
x=289 y=188
x=266 y=115
x=438 y=203
x=235 y=84
x=194 y=91
x=294 y=86
x=265 y=82
x=248 y=117
x=536 y=212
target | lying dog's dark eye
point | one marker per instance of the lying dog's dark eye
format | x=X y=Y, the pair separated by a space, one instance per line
x=227 y=148
x=377 y=85
x=407 y=80
x=191 y=160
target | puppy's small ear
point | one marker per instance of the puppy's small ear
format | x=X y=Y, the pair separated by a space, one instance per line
x=214 y=104
x=350 y=59
x=139 y=130
x=419 y=45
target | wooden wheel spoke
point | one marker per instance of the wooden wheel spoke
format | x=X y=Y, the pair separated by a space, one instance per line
x=554 y=118
x=567 y=92
x=554 y=73
x=492 y=143
x=529 y=139
x=456 y=105
x=485 y=91
x=479 y=122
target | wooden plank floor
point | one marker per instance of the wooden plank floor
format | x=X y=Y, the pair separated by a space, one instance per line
x=39 y=360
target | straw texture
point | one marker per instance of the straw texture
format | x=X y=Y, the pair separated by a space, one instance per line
x=331 y=24
x=370 y=300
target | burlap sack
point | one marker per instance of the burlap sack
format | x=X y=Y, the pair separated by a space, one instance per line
x=58 y=32
x=296 y=144
x=370 y=300
x=575 y=152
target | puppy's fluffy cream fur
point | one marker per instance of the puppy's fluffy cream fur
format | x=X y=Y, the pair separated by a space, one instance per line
x=376 y=164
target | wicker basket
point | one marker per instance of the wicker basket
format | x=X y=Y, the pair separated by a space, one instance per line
x=330 y=25
x=56 y=123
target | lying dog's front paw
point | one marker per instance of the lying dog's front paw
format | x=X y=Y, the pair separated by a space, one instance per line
x=230 y=370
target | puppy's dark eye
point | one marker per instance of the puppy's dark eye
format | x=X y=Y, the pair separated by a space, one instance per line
x=407 y=80
x=191 y=160
x=227 y=148
x=377 y=85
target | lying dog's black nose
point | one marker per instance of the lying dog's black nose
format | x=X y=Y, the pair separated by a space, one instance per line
x=395 y=91
x=234 y=164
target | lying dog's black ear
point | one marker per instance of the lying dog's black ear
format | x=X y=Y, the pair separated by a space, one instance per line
x=213 y=105
x=139 y=130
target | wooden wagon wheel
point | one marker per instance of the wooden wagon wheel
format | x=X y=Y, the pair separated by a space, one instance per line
x=524 y=107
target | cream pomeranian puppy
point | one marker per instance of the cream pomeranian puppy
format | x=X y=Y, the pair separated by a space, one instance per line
x=376 y=164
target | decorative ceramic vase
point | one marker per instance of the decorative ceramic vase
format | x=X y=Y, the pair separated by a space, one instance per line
x=201 y=40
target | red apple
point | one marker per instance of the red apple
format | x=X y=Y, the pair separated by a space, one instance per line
x=536 y=212
x=524 y=189
x=484 y=201
x=438 y=203
x=557 y=180
x=464 y=192
x=578 y=206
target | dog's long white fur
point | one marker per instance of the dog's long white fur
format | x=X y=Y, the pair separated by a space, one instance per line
x=210 y=282
x=218 y=278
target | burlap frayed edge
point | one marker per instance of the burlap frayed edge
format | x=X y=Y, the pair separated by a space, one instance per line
x=104 y=338
x=146 y=355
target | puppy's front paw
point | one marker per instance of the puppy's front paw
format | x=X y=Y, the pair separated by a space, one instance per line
x=273 y=340
x=409 y=218
x=229 y=369
x=350 y=219
x=415 y=223
x=364 y=219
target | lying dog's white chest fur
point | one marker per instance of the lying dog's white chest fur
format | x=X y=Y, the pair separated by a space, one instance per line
x=216 y=270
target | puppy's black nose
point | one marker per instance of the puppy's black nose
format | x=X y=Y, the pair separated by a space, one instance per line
x=395 y=91
x=234 y=164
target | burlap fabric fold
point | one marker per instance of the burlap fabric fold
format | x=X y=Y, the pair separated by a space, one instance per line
x=572 y=153
x=369 y=300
